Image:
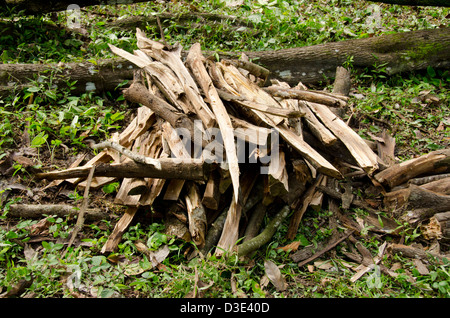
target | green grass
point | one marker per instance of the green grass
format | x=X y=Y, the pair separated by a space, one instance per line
x=414 y=107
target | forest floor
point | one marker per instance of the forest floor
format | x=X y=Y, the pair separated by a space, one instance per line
x=413 y=107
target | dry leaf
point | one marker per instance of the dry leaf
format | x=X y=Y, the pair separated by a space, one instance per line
x=274 y=275
x=292 y=247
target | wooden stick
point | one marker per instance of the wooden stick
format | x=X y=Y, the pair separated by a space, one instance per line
x=83 y=208
x=305 y=95
x=326 y=249
x=116 y=236
x=265 y=236
x=188 y=169
x=432 y=163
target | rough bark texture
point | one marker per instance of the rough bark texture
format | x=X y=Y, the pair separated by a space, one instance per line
x=407 y=51
x=104 y=75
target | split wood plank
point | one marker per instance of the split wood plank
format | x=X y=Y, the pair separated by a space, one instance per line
x=309 y=96
x=359 y=149
x=195 y=61
x=309 y=153
x=172 y=58
x=230 y=232
x=121 y=226
x=316 y=127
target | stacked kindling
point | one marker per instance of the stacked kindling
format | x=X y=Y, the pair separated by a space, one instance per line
x=215 y=149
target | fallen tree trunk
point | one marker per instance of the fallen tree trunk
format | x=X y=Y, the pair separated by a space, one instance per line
x=35 y=211
x=40 y=7
x=401 y=52
x=98 y=76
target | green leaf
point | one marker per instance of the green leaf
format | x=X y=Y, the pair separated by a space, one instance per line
x=39 y=140
x=431 y=72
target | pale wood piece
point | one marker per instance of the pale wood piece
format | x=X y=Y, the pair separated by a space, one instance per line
x=432 y=163
x=309 y=96
x=230 y=232
x=386 y=148
x=195 y=60
x=211 y=196
x=121 y=226
x=278 y=181
x=316 y=127
x=300 y=208
x=172 y=58
x=362 y=153
x=196 y=215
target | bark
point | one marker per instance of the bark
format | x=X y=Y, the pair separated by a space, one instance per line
x=438 y=227
x=40 y=7
x=252 y=245
x=103 y=75
x=434 y=162
x=33 y=211
x=170 y=169
x=416 y=204
x=401 y=52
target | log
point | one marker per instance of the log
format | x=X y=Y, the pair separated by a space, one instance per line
x=138 y=93
x=192 y=169
x=33 y=211
x=401 y=52
x=416 y=204
x=438 y=227
x=432 y=163
x=438 y=186
x=423 y=48
x=99 y=76
x=342 y=82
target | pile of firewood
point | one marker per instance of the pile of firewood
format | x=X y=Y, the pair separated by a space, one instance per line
x=215 y=150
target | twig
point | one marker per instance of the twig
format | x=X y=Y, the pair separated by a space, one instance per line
x=84 y=205
x=326 y=249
